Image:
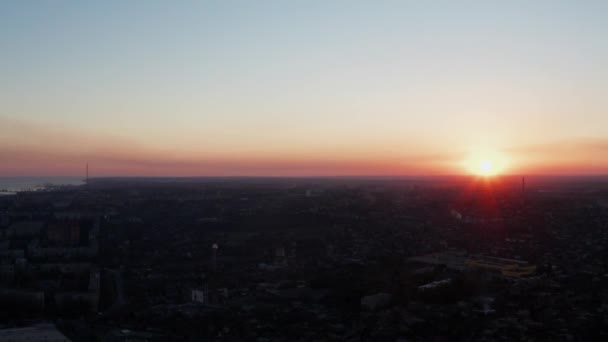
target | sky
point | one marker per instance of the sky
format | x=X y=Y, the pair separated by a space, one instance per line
x=302 y=88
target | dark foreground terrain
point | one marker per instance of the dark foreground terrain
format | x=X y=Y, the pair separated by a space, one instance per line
x=379 y=259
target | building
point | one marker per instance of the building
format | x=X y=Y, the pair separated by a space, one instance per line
x=26 y=228
x=198 y=296
x=64 y=233
x=37 y=333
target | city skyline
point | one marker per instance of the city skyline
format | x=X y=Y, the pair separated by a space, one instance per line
x=303 y=88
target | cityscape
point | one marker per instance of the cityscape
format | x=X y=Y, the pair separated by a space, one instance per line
x=280 y=259
x=303 y=171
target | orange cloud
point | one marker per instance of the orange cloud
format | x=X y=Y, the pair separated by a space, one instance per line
x=574 y=156
x=30 y=149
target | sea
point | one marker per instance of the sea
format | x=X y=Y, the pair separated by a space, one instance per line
x=11 y=185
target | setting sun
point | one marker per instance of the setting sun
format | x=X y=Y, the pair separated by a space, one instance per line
x=486 y=168
x=486 y=163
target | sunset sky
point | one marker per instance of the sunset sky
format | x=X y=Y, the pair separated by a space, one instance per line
x=297 y=88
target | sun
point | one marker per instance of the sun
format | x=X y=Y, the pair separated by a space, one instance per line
x=486 y=168
x=486 y=163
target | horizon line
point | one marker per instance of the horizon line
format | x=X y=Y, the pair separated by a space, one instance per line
x=318 y=176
